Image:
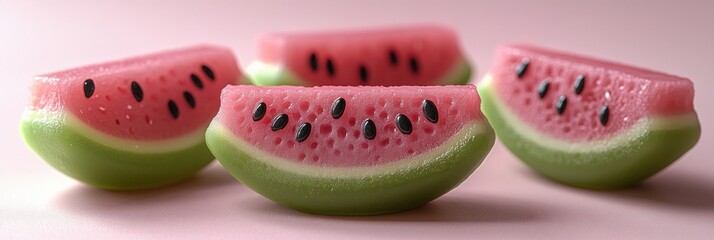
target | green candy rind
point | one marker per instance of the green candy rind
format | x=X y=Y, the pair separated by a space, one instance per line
x=644 y=152
x=266 y=74
x=460 y=75
x=365 y=193
x=65 y=147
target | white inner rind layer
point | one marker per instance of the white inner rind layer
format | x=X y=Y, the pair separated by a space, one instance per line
x=470 y=130
x=138 y=146
x=636 y=131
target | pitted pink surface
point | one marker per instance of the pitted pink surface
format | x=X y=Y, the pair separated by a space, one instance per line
x=630 y=93
x=340 y=142
x=435 y=50
x=163 y=77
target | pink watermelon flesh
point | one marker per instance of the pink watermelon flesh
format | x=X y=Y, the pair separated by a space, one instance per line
x=415 y=55
x=630 y=93
x=341 y=142
x=150 y=97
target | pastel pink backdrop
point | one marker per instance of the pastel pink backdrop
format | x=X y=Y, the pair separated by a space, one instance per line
x=502 y=199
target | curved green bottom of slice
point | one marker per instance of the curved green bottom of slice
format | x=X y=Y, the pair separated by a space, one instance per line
x=266 y=74
x=393 y=187
x=62 y=143
x=620 y=161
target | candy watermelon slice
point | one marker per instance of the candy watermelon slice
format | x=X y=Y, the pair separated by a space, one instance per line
x=586 y=122
x=350 y=150
x=410 y=55
x=130 y=124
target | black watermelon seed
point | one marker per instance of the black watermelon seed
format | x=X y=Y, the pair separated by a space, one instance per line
x=88 y=88
x=313 y=62
x=173 y=109
x=543 y=88
x=522 y=68
x=430 y=111
x=303 y=132
x=338 y=108
x=208 y=72
x=604 y=115
x=259 y=111
x=196 y=81
x=368 y=129
x=189 y=99
x=330 y=67
x=136 y=90
x=403 y=123
x=560 y=105
x=579 y=84
x=279 y=122
x=363 y=74
x=393 y=57
x=414 y=65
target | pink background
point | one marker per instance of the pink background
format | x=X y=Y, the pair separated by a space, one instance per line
x=501 y=199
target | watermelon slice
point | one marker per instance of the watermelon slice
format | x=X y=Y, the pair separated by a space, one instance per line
x=410 y=55
x=350 y=150
x=131 y=124
x=586 y=122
